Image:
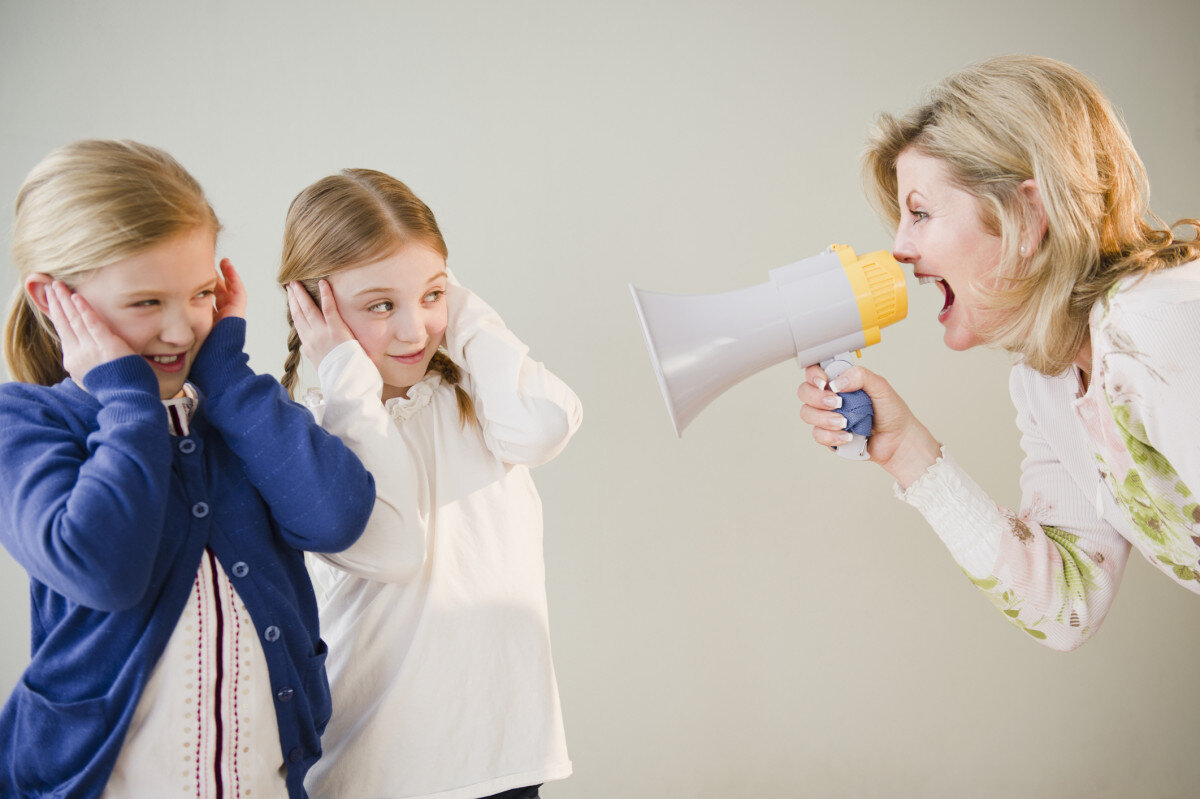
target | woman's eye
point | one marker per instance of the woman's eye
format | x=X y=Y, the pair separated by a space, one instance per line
x=381 y=307
x=204 y=295
x=145 y=303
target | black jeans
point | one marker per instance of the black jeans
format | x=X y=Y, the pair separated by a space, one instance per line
x=529 y=792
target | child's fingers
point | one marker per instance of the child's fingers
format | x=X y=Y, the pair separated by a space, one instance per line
x=299 y=320
x=70 y=312
x=328 y=304
x=231 y=275
x=234 y=286
x=301 y=304
x=98 y=330
x=329 y=309
x=231 y=292
x=58 y=317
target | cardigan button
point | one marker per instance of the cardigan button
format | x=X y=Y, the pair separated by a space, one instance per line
x=187 y=446
x=284 y=694
x=295 y=755
x=240 y=569
x=272 y=633
x=200 y=510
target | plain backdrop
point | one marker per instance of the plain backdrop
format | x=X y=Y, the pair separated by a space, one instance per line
x=737 y=612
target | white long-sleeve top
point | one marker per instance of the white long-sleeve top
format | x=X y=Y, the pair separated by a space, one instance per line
x=436 y=619
x=1106 y=468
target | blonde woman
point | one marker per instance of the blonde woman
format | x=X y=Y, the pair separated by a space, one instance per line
x=1016 y=190
x=160 y=494
x=436 y=619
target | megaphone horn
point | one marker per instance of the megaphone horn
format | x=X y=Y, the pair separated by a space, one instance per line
x=820 y=310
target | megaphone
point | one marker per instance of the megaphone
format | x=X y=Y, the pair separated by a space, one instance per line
x=822 y=310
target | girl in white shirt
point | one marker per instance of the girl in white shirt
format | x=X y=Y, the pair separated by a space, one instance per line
x=436 y=619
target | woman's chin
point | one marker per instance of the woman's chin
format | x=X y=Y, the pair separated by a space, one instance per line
x=958 y=339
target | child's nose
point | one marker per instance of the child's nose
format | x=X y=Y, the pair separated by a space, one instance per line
x=177 y=329
x=409 y=328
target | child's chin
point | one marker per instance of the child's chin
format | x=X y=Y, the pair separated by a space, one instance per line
x=169 y=389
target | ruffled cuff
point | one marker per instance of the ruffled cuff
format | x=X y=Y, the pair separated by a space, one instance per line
x=961 y=513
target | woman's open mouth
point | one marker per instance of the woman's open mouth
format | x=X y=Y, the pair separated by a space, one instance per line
x=947 y=293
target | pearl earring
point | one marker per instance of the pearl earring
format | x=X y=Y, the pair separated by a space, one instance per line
x=1024 y=250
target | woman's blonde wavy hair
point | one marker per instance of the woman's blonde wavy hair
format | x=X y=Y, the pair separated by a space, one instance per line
x=350 y=219
x=1014 y=118
x=87 y=205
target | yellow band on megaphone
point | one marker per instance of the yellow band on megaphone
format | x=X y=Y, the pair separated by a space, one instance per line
x=878 y=283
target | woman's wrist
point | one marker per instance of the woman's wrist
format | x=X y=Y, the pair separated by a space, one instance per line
x=918 y=450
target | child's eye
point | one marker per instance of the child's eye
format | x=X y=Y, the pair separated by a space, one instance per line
x=383 y=306
x=205 y=294
x=145 y=303
x=434 y=296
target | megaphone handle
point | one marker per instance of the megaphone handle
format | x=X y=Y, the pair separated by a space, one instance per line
x=856 y=449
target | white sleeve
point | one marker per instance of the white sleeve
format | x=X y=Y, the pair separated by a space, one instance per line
x=1053 y=569
x=526 y=413
x=393 y=546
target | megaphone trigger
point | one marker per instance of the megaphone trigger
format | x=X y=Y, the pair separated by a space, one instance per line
x=856 y=407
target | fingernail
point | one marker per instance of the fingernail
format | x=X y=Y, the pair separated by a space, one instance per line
x=819 y=382
x=836 y=386
x=833 y=402
x=845 y=438
x=842 y=422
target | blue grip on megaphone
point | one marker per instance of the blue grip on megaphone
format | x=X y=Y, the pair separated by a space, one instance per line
x=859 y=412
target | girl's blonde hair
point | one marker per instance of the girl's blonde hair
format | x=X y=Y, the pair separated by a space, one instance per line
x=1014 y=118
x=87 y=205
x=350 y=219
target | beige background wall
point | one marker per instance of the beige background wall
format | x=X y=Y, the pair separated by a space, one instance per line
x=736 y=613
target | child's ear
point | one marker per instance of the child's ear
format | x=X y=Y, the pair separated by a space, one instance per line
x=36 y=286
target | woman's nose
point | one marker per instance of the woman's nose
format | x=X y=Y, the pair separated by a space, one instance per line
x=902 y=247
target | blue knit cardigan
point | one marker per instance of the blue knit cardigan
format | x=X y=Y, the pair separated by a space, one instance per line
x=110 y=516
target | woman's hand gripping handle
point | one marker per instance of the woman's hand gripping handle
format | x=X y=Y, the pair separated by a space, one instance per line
x=898 y=441
x=855 y=408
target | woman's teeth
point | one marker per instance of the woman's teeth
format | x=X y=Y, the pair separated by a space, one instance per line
x=947 y=292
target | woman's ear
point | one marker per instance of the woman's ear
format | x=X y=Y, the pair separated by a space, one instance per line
x=1037 y=214
x=36 y=286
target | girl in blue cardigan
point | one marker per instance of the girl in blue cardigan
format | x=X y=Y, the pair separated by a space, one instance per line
x=160 y=494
